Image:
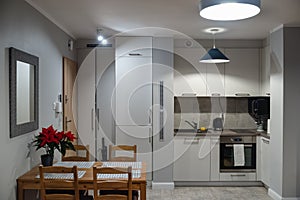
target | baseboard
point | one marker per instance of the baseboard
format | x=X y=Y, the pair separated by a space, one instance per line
x=276 y=196
x=217 y=183
x=163 y=185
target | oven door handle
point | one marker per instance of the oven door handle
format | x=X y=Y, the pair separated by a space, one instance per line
x=245 y=145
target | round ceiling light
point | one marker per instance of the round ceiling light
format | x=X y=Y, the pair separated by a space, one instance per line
x=229 y=10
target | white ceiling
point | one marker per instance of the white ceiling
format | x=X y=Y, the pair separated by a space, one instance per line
x=81 y=18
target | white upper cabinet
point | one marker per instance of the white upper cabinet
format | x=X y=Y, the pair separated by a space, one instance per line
x=189 y=73
x=133 y=81
x=242 y=73
x=133 y=46
x=265 y=71
x=133 y=90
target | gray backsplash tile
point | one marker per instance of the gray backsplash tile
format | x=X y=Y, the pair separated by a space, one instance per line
x=231 y=120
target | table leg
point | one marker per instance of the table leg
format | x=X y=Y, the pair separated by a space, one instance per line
x=143 y=191
x=20 y=194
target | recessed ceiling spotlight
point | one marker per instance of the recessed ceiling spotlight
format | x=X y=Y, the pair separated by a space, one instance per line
x=215 y=30
x=100 y=38
x=228 y=10
x=99 y=34
x=104 y=41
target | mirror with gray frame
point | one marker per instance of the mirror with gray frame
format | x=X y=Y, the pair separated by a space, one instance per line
x=23 y=92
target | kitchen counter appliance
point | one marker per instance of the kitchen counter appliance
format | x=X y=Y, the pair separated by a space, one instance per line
x=227 y=153
x=218 y=124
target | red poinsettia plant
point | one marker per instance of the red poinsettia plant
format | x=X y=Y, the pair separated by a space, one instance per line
x=51 y=139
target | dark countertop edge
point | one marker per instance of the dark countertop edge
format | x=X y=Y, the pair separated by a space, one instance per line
x=223 y=133
x=265 y=135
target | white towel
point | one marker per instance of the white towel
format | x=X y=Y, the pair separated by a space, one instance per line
x=239 y=155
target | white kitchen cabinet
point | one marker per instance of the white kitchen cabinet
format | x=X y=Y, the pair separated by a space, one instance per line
x=133 y=90
x=215 y=158
x=242 y=73
x=265 y=163
x=86 y=99
x=265 y=70
x=134 y=46
x=192 y=158
x=133 y=93
x=142 y=137
x=105 y=84
x=189 y=73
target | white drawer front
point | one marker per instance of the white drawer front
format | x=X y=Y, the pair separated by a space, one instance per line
x=237 y=176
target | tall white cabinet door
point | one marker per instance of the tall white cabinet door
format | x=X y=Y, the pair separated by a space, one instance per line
x=133 y=90
x=142 y=137
x=86 y=101
x=105 y=84
x=189 y=73
x=192 y=159
x=242 y=73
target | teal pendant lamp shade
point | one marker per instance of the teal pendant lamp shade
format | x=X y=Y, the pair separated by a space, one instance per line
x=214 y=55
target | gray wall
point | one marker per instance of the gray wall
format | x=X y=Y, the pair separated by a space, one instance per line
x=285 y=98
x=291 y=156
x=276 y=114
x=26 y=29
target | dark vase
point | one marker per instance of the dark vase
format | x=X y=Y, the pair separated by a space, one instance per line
x=47 y=160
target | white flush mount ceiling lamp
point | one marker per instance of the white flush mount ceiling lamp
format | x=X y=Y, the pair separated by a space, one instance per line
x=228 y=10
x=214 y=55
x=100 y=36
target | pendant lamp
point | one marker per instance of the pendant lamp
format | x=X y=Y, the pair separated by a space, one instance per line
x=214 y=55
x=228 y=10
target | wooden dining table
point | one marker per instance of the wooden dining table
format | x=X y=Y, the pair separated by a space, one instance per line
x=29 y=180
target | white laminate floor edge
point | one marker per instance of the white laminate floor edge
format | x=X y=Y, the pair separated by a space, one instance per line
x=163 y=185
x=276 y=196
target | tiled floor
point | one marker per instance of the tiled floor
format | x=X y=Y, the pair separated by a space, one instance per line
x=210 y=193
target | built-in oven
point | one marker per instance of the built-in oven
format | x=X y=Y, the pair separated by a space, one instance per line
x=227 y=153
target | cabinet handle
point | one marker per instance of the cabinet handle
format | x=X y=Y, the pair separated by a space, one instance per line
x=150 y=116
x=265 y=141
x=237 y=174
x=161 y=111
x=245 y=145
x=92 y=117
x=134 y=54
x=150 y=135
x=190 y=141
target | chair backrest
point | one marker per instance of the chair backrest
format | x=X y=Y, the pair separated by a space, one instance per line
x=114 y=150
x=56 y=184
x=78 y=148
x=112 y=184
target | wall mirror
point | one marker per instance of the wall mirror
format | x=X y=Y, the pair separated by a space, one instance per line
x=23 y=92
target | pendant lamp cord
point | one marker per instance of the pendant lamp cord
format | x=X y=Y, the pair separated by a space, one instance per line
x=214 y=40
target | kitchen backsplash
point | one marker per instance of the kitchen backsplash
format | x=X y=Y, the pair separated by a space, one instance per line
x=231 y=120
x=203 y=110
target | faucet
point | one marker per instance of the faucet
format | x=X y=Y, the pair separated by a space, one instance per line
x=192 y=124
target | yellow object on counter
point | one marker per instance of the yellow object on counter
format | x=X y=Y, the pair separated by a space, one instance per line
x=202 y=129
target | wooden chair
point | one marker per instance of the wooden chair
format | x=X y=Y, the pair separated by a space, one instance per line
x=110 y=187
x=77 y=157
x=113 y=153
x=59 y=184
